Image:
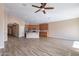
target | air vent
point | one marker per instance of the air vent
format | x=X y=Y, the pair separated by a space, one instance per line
x=24 y=4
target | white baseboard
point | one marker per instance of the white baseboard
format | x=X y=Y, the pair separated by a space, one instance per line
x=65 y=38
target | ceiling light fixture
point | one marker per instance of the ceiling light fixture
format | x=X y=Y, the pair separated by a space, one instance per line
x=42 y=7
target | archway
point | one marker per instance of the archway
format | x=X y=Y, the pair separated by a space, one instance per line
x=13 y=29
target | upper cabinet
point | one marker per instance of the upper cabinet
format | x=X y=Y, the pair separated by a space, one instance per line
x=32 y=27
x=43 y=26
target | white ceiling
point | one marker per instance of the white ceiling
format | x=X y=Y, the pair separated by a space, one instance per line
x=62 y=11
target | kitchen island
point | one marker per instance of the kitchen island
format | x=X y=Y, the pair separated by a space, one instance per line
x=32 y=35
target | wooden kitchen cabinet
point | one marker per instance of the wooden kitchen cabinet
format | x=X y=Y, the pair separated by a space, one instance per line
x=43 y=34
x=43 y=26
x=43 y=30
x=33 y=27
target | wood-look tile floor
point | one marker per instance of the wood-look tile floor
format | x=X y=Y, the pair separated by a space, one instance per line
x=38 y=47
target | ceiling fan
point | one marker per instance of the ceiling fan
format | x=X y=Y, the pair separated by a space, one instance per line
x=42 y=7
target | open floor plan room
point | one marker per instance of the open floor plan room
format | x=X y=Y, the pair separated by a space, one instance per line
x=39 y=29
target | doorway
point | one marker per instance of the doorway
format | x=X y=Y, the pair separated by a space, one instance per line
x=13 y=29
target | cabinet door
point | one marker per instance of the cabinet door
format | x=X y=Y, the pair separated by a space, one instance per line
x=33 y=27
x=43 y=26
x=43 y=34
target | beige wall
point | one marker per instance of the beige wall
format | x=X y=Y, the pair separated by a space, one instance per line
x=5 y=25
x=13 y=19
x=2 y=19
x=68 y=29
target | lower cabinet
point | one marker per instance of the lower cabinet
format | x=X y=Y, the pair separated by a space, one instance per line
x=43 y=34
x=43 y=30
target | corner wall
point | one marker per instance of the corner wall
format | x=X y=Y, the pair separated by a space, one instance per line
x=2 y=19
x=68 y=29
